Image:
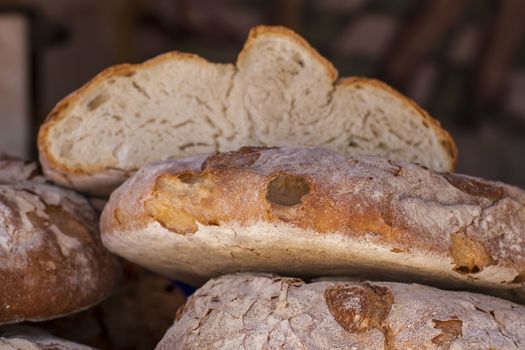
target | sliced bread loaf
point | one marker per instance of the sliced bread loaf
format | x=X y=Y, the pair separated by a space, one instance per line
x=310 y=212
x=257 y=311
x=281 y=92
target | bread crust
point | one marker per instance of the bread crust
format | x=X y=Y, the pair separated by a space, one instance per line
x=13 y=169
x=308 y=212
x=31 y=338
x=261 y=311
x=88 y=178
x=52 y=261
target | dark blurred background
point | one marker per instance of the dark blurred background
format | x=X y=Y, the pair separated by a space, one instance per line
x=462 y=60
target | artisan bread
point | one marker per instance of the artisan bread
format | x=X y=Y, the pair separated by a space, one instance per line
x=13 y=169
x=52 y=261
x=248 y=311
x=281 y=92
x=310 y=212
x=134 y=317
x=31 y=338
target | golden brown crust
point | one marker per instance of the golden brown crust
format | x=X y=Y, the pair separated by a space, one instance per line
x=52 y=261
x=320 y=208
x=315 y=194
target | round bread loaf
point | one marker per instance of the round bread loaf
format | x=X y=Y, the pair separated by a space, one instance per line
x=52 y=261
x=311 y=212
x=247 y=311
x=30 y=338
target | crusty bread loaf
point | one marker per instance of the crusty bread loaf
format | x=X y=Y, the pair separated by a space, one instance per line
x=281 y=92
x=248 y=311
x=311 y=212
x=134 y=317
x=31 y=338
x=13 y=169
x=52 y=261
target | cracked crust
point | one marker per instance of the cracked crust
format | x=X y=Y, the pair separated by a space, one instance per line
x=101 y=178
x=261 y=311
x=52 y=261
x=308 y=212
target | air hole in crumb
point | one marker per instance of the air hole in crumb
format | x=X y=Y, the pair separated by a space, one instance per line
x=520 y=278
x=98 y=101
x=213 y=222
x=190 y=178
x=467 y=269
x=117 y=117
x=287 y=190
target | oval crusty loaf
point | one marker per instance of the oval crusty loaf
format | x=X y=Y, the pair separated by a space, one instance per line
x=311 y=212
x=281 y=92
x=247 y=311
x=30 y=338
x=52 y=261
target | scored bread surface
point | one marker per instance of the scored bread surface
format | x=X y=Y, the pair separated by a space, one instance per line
x=52 y=261
x=310 y=212
x=281 y=92
x=258 y=311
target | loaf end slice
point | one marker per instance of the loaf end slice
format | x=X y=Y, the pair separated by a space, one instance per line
x=281 y=92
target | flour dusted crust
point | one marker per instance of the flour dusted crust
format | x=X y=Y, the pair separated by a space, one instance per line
x=259 y=311
x=31 y=338
x=13 y=169
x=310 y=212
x=281 y=92
x=52 y=261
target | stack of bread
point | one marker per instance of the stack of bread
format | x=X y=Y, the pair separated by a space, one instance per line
x=312 y=212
